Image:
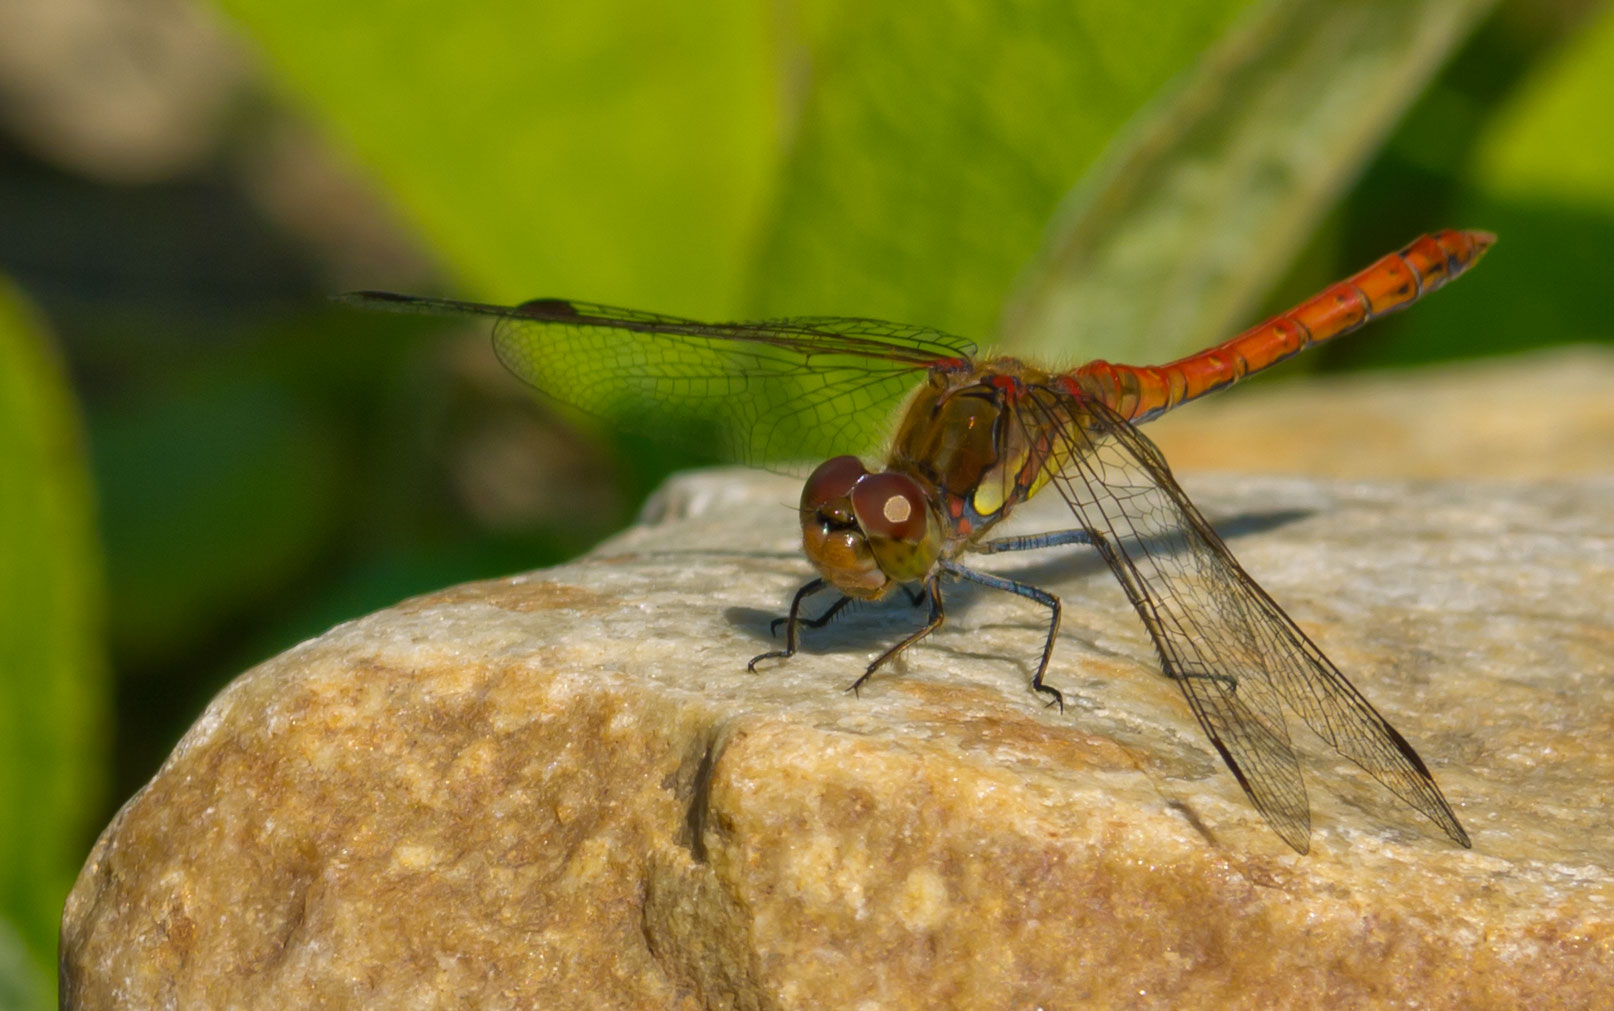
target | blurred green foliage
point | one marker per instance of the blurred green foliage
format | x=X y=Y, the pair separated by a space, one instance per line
x=928 y=152
x=617 y=150
x=22 y=978
x=268 y=464
x=1126 y=181
x=52 y=696
x=1230 y=170
x=1527 y=117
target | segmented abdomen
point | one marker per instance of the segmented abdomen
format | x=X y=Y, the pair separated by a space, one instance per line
x=1140 y=393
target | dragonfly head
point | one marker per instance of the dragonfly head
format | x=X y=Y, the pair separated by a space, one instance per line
x=867 y=532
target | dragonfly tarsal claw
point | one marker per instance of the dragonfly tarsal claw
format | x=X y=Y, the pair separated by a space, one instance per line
x=1055 y=696
x=777 y=654
x=856 y=687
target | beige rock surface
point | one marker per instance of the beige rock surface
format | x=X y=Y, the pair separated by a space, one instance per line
x=564 y=790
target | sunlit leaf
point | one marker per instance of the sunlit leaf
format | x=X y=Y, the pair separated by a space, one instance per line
x=616 y=150
x=932 y=149
x=1554 y=139
x=52 y=681
x=1168 y=244
x=1539 y=172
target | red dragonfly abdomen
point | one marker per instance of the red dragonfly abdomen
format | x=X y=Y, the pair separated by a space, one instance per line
x=1139 y=393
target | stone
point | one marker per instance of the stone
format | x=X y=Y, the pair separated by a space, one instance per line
x=564 y=789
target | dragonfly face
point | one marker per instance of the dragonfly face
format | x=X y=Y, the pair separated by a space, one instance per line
x=867 y=532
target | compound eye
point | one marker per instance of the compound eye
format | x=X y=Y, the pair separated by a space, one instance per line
x=832 y=480
x=890 y=506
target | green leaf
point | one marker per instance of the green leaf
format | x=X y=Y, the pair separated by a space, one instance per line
x=616 y=151
x=1533 y=149
x=1199 y=207
x=1553 y=141
x=869 y=159
x=934 y=146
x=52 y=672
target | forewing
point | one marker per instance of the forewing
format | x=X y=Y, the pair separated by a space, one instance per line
x=1237 y=657
x=766 y=393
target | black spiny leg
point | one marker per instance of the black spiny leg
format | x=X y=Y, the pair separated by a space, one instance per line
x=818 y=622
x=1042 y=597
x=795 y=621
x=937 y=616
x=915 y=598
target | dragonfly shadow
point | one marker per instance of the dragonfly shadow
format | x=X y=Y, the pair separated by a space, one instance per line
x=860 y=626
x=1245 y=524
x=1057 y=564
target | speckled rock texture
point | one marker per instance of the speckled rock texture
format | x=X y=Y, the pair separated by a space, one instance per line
x=564 y=790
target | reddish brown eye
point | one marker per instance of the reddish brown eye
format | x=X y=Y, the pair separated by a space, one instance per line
x=890 y=506
x=832 y=480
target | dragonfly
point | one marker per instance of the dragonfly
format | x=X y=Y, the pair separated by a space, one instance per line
x=975 y=436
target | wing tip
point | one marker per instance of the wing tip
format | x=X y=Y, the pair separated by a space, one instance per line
x=418 y=305
x=368 y=297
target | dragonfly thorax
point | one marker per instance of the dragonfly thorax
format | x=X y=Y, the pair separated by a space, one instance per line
x=867 y=532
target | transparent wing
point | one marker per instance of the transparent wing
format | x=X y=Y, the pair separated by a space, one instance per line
x=762 y=393
x=1237 y=657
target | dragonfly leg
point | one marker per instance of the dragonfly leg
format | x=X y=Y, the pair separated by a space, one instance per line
x=915 y=597
x=1042 y=597
x=937 y=616
x=1030 y=542
x=795 y=621
x=818 y=622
